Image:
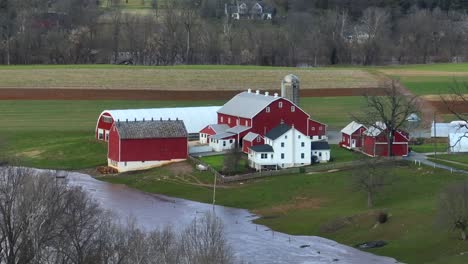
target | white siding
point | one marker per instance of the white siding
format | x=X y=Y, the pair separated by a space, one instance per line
x=219 y=145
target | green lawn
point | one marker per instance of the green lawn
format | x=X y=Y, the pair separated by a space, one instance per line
x=306 y=204
x=443 y=67
x=429 y=147
x=339 y=154
x=429 y=85
x=217 y=163
x=458 y=157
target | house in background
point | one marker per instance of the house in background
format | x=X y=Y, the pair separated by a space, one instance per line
x=249 y=9
x=285 y=147
x=139 y=145
x=375 y=141
x=352 y=135
x=320 y=151
x=211 y=130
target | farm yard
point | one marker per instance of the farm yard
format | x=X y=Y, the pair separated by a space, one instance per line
x=59 y=134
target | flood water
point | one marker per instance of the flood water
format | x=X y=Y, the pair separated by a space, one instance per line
x=251 y=243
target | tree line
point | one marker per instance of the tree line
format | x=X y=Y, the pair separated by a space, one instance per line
x=45 y=220
x=302 y=33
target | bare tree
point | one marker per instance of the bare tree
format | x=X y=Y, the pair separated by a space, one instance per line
x=232 y=160
x=457 y=103
x=391 y=110
x=453 y=208
x=371 y=178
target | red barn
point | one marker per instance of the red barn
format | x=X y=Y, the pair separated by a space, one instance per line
x=375 y=141
x=259 y=113
x=352 y=135
x=250 y=140
x=145 y=144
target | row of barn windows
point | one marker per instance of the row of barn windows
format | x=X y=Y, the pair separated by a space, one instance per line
x=265 y=155
x=246 y=123
x=280 y=105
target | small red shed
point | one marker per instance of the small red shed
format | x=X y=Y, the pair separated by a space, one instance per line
x=352 y=135
x=145 y=144
x=250 y=140
x=375 y=142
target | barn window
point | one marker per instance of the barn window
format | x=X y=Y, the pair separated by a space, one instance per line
x=258 y=139
x=268 y=109
x=299 y=136
x=293 y=108
x=246 y=123
x=222 y=119
x=230 y=141
x=313 y=128
x=237 y=122
x=282 y=155
x=224 y=143
x=285 y=137
x=125 y=163
x=100 y=136
x=320 y=154
x=229 y=120
x=320 y=128
x=282 y=144
x=302 y=144
x=271 y=156
x=264 y=156
x=280 y=104
x=107 y=119
x=302 y=155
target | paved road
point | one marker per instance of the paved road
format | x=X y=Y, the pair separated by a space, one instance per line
x=414 y=156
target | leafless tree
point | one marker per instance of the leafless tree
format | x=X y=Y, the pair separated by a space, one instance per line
x=232 y=160
x=457 y=103
x=375 y=24
x=453 y=208
x=391 y=110
x=371 y=178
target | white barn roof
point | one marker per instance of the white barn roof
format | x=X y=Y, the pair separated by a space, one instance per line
x=351 y=128
x=195 y=118
x=445 y=129
x=247 y=104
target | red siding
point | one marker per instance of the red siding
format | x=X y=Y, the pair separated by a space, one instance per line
x=368 y=147
x=317 y=128
x=113 y=146
x=379 y=144
x=153 y=149
x=223 y=119
x=104 y=125
x=247 y=144
x=208 y=130
x=345 y=140
x=264 y=122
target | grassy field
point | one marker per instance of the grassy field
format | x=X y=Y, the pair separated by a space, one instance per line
x=180 y=78
x=326 y=205
x=429 y=147
x=217 y=163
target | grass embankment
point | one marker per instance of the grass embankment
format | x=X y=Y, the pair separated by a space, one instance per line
x=429 y=147
x=326 y=205
x=455 y=160
x=200 y=78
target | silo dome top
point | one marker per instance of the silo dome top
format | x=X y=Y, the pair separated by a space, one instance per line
x=291 y=78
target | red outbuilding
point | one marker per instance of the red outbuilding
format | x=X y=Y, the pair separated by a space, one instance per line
x=375 y=141
x=352 y=135
x=250 y=140
x=141 y=145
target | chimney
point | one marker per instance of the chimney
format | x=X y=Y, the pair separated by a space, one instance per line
x=267 y=93
x=249 y=90
x=276 y=95
x=257 y=92
x=152 y=119
x=135 y=119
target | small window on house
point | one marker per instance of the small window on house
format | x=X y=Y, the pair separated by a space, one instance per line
x=107 y=136
x=320 y=137
x=222 y=119
x=224 y=143
x=320 y=127
x=229 y=120
x=230 y=141
x=285 y=137
x=302 y=155
x=313 y=128
x=282 y=155
x=280 y=104
x=142 y=161
x=259 y=139
x=293 y=108
x=271 y=156
x=100 y=136
x=268 y=109
x=237 y=122
x=264 y=156
x=299 y=136
x=125 y=164
x=282 y=144
x=246 y=122
x=302 y=144
x=320 y=154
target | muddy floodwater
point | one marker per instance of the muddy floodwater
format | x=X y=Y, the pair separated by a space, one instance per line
x=250 y=242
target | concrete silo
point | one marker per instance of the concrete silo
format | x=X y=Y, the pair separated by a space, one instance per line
x=290 y=88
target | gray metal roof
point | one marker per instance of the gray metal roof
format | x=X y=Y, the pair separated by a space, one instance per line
x=222 y=135
x=351 y=128
x=251 y=136
x=320 y=145
x=278 y=131
x=247 y=104
x=195 y=118
x=376 y=129
x=262 y=148
x=219 y=128
x=237 y=129
x=151 y=129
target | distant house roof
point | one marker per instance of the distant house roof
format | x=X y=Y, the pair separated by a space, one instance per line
x=247 y=104
x=277 y=131
x=351 y=128
x=222 y=135
x=151 y=129
x=195 y=118
x=262 y=148
x=251 y=136
x=320 y=145
x=237 y=129
x=219 y=128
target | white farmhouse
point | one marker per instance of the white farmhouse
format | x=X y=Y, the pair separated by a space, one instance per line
x=284 y=147
x=320 y=151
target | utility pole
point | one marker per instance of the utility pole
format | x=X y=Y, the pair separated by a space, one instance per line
x=214 y=190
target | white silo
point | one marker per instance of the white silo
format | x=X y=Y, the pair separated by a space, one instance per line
x=290 y=88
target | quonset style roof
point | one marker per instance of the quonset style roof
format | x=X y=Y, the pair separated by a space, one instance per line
x=195 y=118
x=277 y=131
x=151 y=129
x=351 y=128
x=247 y=104
x=262 y=148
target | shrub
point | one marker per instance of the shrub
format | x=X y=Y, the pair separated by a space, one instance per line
x=382 y=217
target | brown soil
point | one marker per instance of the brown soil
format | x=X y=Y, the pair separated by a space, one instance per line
x=442 y=108
x=180 y=168
x=117 y=94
